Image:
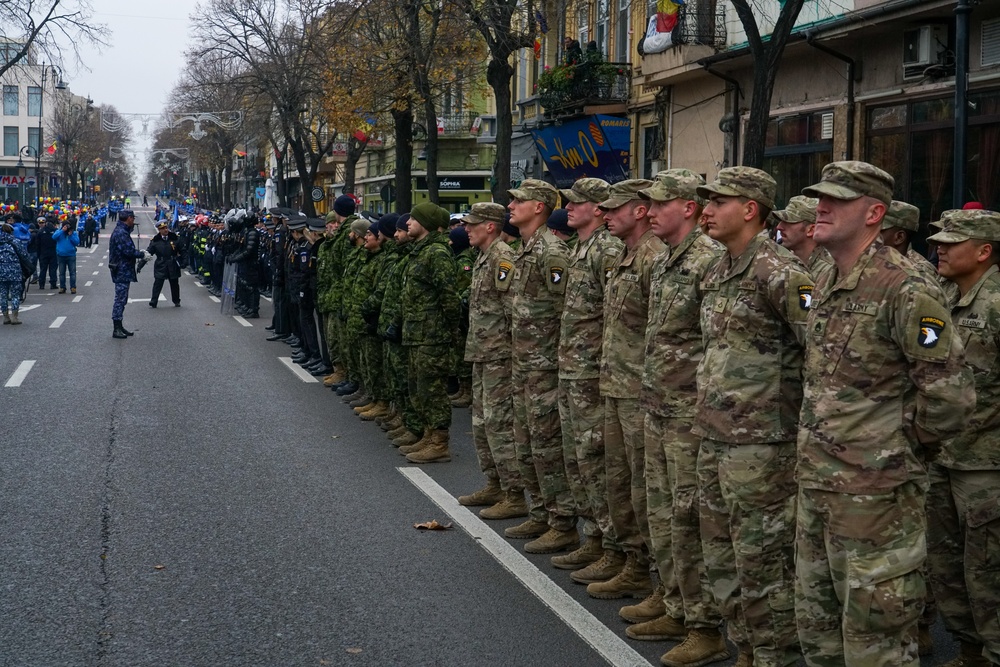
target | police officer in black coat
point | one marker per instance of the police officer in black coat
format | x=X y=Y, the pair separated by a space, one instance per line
x=168 y=249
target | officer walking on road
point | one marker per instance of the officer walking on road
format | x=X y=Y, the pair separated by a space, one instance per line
x=122 y=254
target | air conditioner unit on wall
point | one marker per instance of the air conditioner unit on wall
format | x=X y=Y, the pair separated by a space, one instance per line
x=924 y=47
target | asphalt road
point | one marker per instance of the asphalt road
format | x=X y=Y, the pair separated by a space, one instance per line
x=183 y=498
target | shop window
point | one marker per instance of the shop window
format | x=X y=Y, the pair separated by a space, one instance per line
x=796 y=152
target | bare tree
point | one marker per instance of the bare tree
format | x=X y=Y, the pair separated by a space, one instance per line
x=49 y=27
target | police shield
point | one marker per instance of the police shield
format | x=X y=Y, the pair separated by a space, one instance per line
x=229 y=290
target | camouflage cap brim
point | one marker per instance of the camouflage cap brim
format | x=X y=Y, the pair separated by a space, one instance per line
x=658 y=193
x=704 y=191
x=787 y=218
x=948 y=237
x=571 y=196
x=614 y=202
x=834 y=190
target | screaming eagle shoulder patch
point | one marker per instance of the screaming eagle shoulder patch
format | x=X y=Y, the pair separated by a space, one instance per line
x=502 y=281
x=555 y=275
x=929 y=332
x=805 y=297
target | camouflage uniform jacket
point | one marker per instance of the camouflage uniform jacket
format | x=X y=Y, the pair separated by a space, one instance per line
x=325 y=278
x=383 y=261
x=820 y=264
x=581 y=327
x=626 y=313
x=430 y=303
x=674 y=344
x=882 y=357
x=352 y=264
x=753 y=321
x=364 y=284
x=392 y=286
x=977 y=321
x=538 y=287
x=342 y=253
x=949 y=290
x=464 y=261
x=490 y=305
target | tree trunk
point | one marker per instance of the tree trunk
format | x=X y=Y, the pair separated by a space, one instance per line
x=755 y=135
x=403 y=122
x=280 y=187
x=355 y=149
x=305 y=178
x=498 y=74
x=431 y=145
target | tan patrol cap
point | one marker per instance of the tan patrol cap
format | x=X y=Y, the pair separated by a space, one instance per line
x=798 y=209
x=533 y=189
x=746 y=182
x=674 y=184
x=962 y=225
x=587 y=189
x=623 y=192
x=902 y=215
x=851 y=179
x=484 y=212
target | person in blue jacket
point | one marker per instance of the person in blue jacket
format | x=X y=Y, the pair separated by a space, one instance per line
x=67 y=239
x=122 y=254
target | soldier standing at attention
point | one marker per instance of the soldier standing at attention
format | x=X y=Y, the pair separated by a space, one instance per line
x=430 y=329
x=756 y=299
x=581 y=410
x=797 y=222
x=539 y=288
x=674 y=347
x=626 y=309
x=487 y=348
x=963 y=509
x=883 y=384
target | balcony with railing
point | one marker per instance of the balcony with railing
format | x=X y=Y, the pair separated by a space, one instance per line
x=700 y=32
x=460 y=125
x=566 y=90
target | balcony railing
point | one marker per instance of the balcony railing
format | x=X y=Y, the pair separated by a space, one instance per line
x=702 y=22
x=454 y=125
x=567 y=87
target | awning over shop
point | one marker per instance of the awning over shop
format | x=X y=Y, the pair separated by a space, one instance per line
x=596 y=147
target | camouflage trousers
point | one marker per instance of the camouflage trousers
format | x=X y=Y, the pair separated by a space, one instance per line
x=581 y=417
x=493 y=422
x=963 y=553
x=331 y=324
x=625 y=466
x=348 y=351
x=674 y=523
x=538 y=441
x=371 y=367
x=859 y=590
x=748 y=538
x=395 y=370
x=428 y=386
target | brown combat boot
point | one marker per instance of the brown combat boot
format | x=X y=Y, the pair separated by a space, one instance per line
x=380 y=410
x=657 y=630
x=463 y=398
x=436 y=451
x=512 y=506
x=647 y=610
x=701 y=647
x=406 y=439
x=970 y=655
x=554 y=540
x=390 y=421
x=745 y=657
x=336 y=377
x=632 y=581
x=610 y=564
x=527 y=530
x=490 y=494
x=417 y=445
x=589 y=552
x=361 y=401
x=397 y=432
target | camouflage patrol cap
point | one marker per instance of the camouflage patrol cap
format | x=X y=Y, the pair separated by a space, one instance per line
x=485 y=212
x=359 y=227
x=798 y=209
x=961 y=225
x=533 y=189
x=852 y=179
x=674 y=184
x=742 y=182
x=587 y=189
x=902 y=215
x=623 y=192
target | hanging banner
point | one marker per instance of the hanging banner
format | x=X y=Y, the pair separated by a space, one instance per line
x=582 y=148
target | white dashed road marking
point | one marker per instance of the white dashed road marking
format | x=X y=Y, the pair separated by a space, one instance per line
x=20 y=373
x=77 y=299
x=95 y=273
x=88 y=283
x=298 y=370
x=242 y=321
x=214 y=298
x=31 y=307
x=56 y=323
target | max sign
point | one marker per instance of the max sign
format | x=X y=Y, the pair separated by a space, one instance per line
x=582 y=148
x=17 y=181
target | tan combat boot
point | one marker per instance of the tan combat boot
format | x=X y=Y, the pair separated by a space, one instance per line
x=417 y=444
x=366 y=407
x=589 y=552
x=657 y=630
x=512 y=506
x=436 y=451
x=406 y=439
x=391 y=421
x=554 y=540
x=13 y=317
x=970 y=655
x=6 y=317
x=701 y=647
x=527 y=530
x=338 y=377
x=632 y=581
x=490 y=494
x=380 y=410
x=647 y=610
x=463 y=398
x=745 y=657
x=330 y=380
x=361 y=401
x=610 y=564
x=397 y=432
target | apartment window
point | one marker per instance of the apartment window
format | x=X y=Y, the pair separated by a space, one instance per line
x=7 y=52
x=622 y=32
x=583 y=25
x=602 y=25
x=35 y=140
x=11 y=141
x=10 y=101
x=651 y=151
x=795 y=153
x=34 y=101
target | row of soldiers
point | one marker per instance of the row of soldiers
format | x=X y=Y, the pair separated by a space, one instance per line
x=760 y=424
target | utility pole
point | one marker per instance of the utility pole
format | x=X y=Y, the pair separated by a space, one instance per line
x=962 y=10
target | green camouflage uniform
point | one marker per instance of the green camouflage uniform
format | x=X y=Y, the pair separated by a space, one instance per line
x=673 y=348
x=881 y=360
x=394 y=354
x=464 y=261
x=581 y=408
x=488 y=350
x=373 y=275
x=361 y=339
x=749 y=391
x=538 y=291
x=626 y=309
x=350 y=351
x=963 y=509
x=430 y=327
x=820 y=264
x=325 y=279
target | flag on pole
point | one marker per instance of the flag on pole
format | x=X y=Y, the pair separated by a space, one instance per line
x=51 y=150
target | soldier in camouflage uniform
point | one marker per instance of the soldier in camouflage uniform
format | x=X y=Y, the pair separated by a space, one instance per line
x=324 y=301
x=756 y=299
x=538 y=291
x=581 y=410
x=796 y=223
x=900 y=224
x=626 y=308
x=350 y=351
x=368 y=281
x=465 y=258
x=963 y=509
x=430 y=328
x=674 y=347
x=884 y=384
x=488 y=350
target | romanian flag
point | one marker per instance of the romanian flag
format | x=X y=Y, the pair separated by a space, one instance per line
x=51 y=150
x=240 y=153
x=666 y=14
